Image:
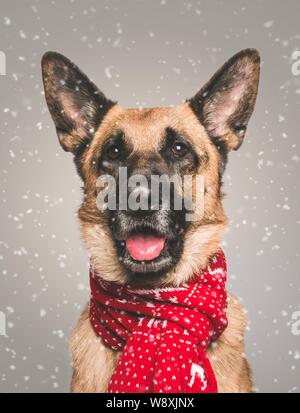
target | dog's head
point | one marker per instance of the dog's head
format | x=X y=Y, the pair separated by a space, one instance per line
x=151 y=245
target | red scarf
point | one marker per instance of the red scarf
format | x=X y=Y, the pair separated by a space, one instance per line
x=163 y=332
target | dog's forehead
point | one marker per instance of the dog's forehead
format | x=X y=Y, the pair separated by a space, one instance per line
x=145 y=128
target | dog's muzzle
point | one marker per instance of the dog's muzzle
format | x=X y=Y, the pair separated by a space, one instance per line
x=148 y=235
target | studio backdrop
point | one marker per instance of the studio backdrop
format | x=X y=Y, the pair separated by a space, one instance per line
x=143 y=54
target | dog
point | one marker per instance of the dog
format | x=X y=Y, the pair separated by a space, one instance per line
x=195 y=138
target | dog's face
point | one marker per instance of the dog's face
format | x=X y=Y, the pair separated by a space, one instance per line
x=151 y=245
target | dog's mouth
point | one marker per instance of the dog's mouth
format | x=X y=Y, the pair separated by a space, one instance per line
x=150 y=246
x=144 y=247
x=146 y=253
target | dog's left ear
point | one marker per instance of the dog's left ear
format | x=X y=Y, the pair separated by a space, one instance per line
x=224 y=105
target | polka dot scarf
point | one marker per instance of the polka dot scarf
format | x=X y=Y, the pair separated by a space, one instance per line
x=163 y=332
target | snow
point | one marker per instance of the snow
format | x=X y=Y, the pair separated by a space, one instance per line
x=144 y=54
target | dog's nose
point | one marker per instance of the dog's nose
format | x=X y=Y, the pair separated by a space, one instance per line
x=139 y=192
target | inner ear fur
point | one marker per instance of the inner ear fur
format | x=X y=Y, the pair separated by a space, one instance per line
x=75 y=103
x=225 y=103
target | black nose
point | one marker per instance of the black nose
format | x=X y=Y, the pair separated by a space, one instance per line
x=148 y=193
x=139 y=192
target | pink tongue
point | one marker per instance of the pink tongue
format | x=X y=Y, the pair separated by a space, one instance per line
x=144 y=248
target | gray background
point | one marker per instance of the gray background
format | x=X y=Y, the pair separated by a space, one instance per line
x=148 y=53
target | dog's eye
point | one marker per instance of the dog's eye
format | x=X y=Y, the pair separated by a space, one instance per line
x=113 y=152
x=179 y=149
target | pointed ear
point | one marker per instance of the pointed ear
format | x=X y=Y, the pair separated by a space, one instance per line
x=224 y=105
x=76 y=105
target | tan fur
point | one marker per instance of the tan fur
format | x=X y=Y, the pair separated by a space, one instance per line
x=93 y=362
x=227 y=355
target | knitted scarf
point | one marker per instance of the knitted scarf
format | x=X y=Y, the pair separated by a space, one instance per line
x=163 y=332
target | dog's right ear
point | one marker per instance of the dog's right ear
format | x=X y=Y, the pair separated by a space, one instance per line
x=225 y=103
x=76 y=105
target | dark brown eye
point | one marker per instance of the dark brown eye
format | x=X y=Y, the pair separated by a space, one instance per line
x=179 y=149
x=114 y=148
x=113 y=152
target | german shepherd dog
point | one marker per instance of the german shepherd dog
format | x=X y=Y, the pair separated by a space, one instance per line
x=195 y=138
